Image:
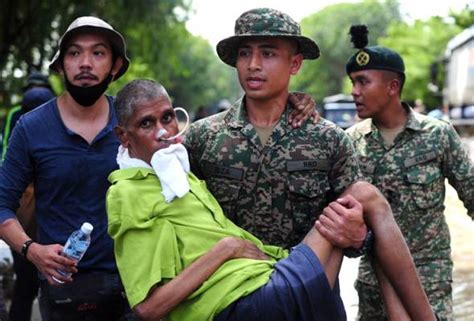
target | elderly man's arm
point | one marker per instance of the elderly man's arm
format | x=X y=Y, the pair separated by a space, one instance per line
x=305 y=107
x=163 y=299
x=390 y=250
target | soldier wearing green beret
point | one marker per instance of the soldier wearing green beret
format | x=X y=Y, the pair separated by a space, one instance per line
x=407 y=156
x=271 y=179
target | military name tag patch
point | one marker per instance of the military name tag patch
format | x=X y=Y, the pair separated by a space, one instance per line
x=310 y=164
x=419 y=159
x=226 y=171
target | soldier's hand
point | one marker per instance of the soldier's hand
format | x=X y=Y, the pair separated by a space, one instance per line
x=342 y=223
x=48 y=260
x=305 y=107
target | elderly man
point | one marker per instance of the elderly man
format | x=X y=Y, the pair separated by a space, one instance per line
x=195 y=264
x=67 y=148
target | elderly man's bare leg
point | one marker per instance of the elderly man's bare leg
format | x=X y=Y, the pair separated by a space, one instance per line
x=391 y=252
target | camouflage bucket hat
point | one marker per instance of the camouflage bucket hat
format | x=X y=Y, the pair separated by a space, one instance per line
x=88 y=24
x=265 y=22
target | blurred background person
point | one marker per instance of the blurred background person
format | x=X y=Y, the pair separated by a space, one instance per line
x=36 y=92
x=419 y=106
x=200 y=113
x=223 y=105
x=441 y=112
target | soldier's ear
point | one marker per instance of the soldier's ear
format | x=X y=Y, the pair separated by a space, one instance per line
x=296 y=62
x=394 y=87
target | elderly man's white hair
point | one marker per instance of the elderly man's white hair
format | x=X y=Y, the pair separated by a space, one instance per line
x=136 y=93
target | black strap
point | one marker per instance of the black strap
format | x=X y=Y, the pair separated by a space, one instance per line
x=25 y=247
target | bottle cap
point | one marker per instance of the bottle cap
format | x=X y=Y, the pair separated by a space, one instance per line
x=87 y=228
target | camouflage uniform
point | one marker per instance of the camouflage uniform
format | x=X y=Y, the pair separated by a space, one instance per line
x=277 y=190
x=411 y=174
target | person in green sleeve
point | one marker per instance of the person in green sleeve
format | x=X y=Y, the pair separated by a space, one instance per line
x=181 y=258
x=36 y=92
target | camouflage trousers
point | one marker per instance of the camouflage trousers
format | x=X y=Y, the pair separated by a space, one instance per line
x=371 y=306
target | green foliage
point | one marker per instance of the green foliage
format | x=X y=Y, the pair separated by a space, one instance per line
x=161 y=48
x=30 y=31
x=465 y=17
x=329 y=28
x=198 y=83
x=420 y=44
x=158 y=45
x=23 y=44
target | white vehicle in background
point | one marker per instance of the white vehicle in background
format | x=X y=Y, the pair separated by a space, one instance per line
x=458 y=89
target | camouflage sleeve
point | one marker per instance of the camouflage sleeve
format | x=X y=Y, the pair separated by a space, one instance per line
x=355 y=137
x=345 y=168
x=194 y=141
x=458 y=168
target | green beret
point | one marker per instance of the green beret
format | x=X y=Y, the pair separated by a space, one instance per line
x=376 y=57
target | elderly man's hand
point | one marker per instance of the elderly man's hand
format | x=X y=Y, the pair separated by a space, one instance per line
x=342 y=223
x=305 y=107
x=237 y=248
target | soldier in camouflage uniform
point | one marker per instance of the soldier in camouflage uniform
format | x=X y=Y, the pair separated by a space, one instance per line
x=271 y=179
x=407 y=156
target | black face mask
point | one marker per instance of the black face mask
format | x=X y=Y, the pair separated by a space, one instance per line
x=87 y=96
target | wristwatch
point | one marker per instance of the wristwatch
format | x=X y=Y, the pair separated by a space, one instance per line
x=25 y=247
x=366 y=247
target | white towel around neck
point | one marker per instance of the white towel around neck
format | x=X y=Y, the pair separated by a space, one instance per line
x=170 y=164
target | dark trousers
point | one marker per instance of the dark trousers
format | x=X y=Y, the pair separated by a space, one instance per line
x=3 y=309
x=25 y=289
x=91 y=297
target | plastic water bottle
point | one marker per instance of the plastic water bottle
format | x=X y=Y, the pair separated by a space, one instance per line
x=76 y=246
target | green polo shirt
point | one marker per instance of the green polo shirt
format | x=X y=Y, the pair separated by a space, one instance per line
x=155 y=241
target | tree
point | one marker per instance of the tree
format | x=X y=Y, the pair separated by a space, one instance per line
x=465 y=17
x=158 y=44
x=25 y=41
x=330 y=27
x=421 y=44
x=203 y=79
x=30 y=31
